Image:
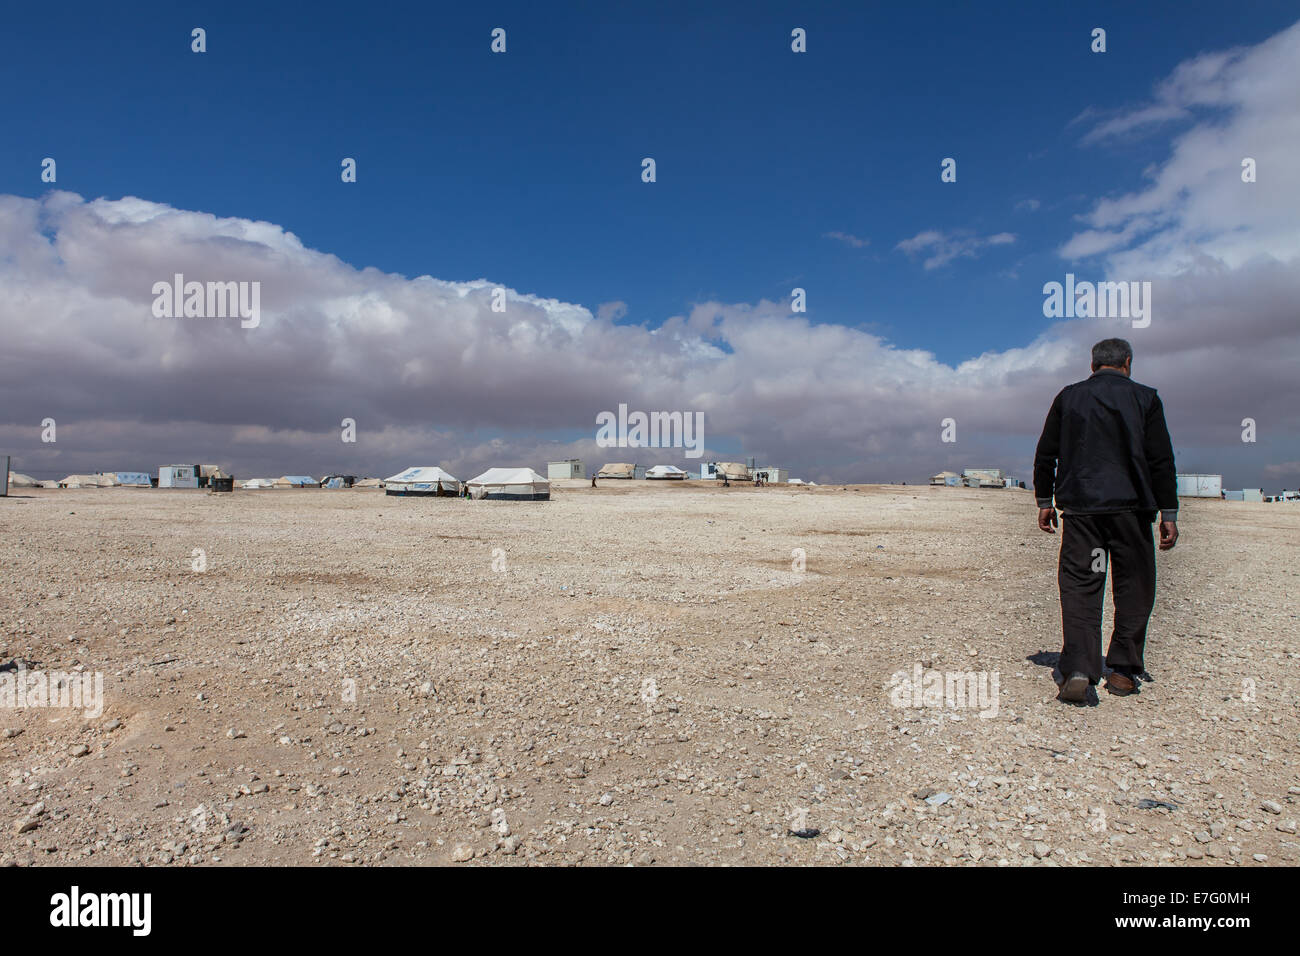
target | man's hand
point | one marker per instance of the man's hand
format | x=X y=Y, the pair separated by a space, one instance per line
x=1047 y=522
x=1168 y=534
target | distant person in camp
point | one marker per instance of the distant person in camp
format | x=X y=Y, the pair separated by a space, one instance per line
x=593 y=481
x=1106 y=461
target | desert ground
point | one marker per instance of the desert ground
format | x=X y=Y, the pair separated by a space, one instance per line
x=636 y=674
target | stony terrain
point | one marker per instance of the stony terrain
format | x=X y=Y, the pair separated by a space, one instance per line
x=638 y=673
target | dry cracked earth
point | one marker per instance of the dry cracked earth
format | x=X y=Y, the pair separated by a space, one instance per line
x=636 y=674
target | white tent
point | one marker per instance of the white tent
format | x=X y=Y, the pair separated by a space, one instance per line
x=253 y=483
x=18 y=480
x=510 y=484
x=422 y=480
x=666 y=471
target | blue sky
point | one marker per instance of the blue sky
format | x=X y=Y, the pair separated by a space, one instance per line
x=524 y=168
x=775 y=170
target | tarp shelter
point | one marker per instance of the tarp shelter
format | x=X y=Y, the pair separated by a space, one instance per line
x=945 y=478
x=80 y=481
x=666 y=471
x=510 y=484
x=134 y=479
x=617 y=470
x=732 y=470
x=424 y=481
x=295 y=481
x=17 y=480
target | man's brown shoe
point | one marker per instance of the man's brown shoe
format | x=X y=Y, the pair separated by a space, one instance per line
x=1120 y=684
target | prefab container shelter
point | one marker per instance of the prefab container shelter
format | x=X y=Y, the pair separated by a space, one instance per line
x=178 y=476
x=569 y=468
x=1200 y=486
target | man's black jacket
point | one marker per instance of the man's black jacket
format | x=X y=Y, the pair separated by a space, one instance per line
x=1105 y=448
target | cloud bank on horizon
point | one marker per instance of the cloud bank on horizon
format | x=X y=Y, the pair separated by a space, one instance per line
x=432 y=374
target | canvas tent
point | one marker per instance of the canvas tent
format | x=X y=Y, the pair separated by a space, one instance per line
x=945 y=478
x=732 y=470
x=17 y=480
x=80 y=481
x=666 y=472
x=617 y=470
x=510 y=484
x=368 y=483
x=254 y=483
x=295 y=481
x=424 y=481
x=134 y=479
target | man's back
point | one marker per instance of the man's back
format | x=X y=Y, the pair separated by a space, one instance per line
x=1105 y=449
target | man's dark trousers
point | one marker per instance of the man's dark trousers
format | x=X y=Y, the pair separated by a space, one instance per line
x=1126 y=538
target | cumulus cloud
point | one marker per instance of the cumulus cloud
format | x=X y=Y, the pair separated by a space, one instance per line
x=433 y=375
x=1225 y=107
x=940 y=248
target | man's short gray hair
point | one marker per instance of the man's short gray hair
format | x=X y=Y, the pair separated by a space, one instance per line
x=1113 y=353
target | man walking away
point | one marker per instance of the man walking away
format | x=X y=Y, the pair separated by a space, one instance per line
x=1106 y=457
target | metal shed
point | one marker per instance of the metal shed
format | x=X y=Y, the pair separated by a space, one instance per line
x=1200 y=486
x=569 y=468
x=178 y=476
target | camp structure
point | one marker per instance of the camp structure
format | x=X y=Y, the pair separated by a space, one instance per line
x=1199 y=486
x=368 y=483
x=569 y=468
x=207 y=472
x=17 y=480
x=983 y=478
x=510 y=484
x=252 y=484
x=133 y=479
x=338 y=481
x=670 y=472
x=295 y=481
x=946 y=478
x=422 y=481
x=79 y=481
x=731 y=471
x=618 y=469
x=178 y=476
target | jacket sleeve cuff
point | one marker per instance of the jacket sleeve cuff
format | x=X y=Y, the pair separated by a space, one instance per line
x=1044 y=502
x=1169 y=515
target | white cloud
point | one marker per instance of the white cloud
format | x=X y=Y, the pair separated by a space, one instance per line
x=941 y=248
x=848 y=239
x=432 y=375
